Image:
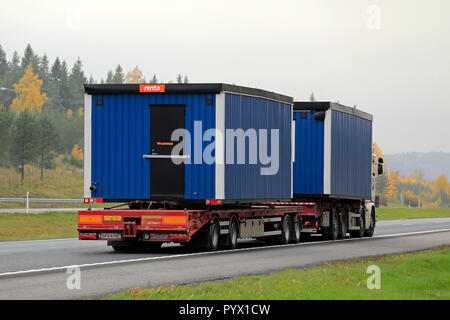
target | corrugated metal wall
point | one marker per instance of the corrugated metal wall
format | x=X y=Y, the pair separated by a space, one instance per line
x=351 y=155
x=244 y=181
x=121 y=135
x=309 y=148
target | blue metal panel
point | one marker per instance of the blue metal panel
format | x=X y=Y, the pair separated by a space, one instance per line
x=244 y=181
x=121 y=135
x=351 y=155
x=309 y=148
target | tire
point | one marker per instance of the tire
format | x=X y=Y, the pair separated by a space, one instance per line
x=371 y=230
x=119 y=248
x=334 y=228
x=213 y=236
x=359 y=233
x=229 y=241
x=343 y=224
x=296 y=228
x=286 y=231
x=152 y=246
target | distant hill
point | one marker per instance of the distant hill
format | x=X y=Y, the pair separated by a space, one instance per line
x=433 y=164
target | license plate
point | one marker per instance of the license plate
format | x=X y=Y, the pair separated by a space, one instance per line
x=159 y=236
x=110 y=236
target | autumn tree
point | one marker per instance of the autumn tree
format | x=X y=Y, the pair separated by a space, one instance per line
x=135 y=76
x=441 y=189
x=46 y=143
x=23 y=145
x=391 y=188
x=29 y=93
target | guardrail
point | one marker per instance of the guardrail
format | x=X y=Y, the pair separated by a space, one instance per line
x=29 y=200
x=41 y=200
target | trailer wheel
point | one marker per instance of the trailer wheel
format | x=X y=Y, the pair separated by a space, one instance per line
x=296 y=229
x=119 y=248
x=343 y=220
x=213 y=235
x=369 y=233
x=152 y=246
x=229 y=240
x=286 y=229
x=334 y=228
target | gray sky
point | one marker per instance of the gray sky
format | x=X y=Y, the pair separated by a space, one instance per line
x=399 y=72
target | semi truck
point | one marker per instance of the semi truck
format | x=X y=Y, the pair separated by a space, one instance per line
x=208 y=164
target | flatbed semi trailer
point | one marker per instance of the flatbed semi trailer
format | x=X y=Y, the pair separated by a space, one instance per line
x=191 y=162
x=216 y=227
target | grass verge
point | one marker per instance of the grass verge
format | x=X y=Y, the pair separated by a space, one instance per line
x=419 y=275
x=388 y=213
x=22 y=226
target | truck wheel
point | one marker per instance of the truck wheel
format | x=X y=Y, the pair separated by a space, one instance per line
x=362 y=222
x=334 y=228
x=152 y=246
x=296 y=229
x=229 y=240
x=369 y=233
x=213 y=235
x=119 y=248
x=286 y=231
x=343 y=225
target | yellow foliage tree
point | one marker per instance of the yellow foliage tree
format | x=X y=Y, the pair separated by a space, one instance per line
x=29 y=93
x=377 y=151
x=391 y=189
x=77 y=152
x=134 y=76
x=80 y=111
x=69 y=113
x=441 y=189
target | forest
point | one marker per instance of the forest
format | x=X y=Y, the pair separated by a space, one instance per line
x=41 y=108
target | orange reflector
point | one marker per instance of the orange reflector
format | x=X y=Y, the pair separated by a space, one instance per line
x=174 y=220
x=87 y=219
x=112 y=218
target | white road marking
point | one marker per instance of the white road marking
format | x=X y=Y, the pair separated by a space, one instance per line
x=209 y=253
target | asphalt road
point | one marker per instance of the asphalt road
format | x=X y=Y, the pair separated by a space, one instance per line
x=38 y=269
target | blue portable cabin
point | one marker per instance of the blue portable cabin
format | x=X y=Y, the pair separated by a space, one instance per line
x=128 y=142
x=333 y=151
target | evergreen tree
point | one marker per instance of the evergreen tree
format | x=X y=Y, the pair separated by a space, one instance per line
x=91 y=80
x=119 y=76
x=154 y=79
x=110 y=77
x=186 y=80
x=9 y=79
x=46 y=143
x=43 y=69
x=6 y=122
x=23 y=141
x=312 y=98
x=64 y=86
x=3 y=64
x=179 y=78
x=29 y=57
x=76 y=82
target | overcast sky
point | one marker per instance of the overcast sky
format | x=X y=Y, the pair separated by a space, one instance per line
x=396 y=67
